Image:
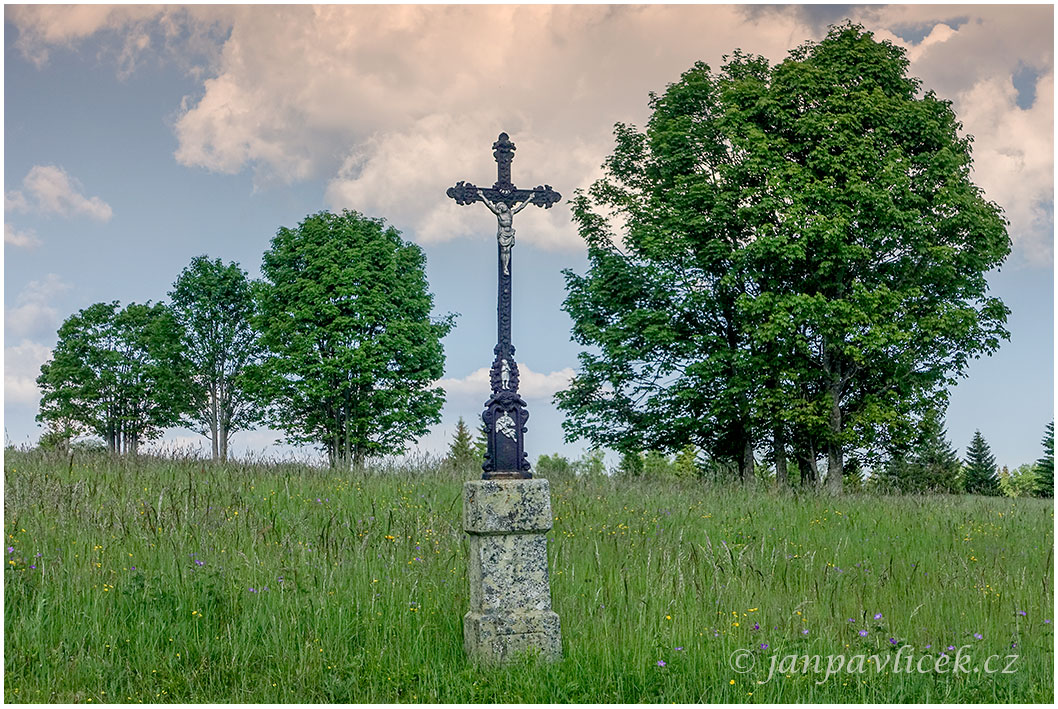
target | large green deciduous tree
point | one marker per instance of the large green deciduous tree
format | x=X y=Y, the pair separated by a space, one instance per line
x=980 y=475
x=353 y=353
x=119 y=373
x=214 y=304
x=789 y=258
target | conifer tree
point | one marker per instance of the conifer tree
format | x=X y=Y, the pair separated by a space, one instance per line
x=980 y=476
x=930 y=465
x=461 y=449
x=1045 y=465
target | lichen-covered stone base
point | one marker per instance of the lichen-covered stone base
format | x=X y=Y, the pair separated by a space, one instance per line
x=501 y=637
x=508 y=572
x=510 y=594
x=506 y=506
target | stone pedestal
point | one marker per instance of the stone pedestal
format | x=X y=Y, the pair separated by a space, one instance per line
x=510 y=594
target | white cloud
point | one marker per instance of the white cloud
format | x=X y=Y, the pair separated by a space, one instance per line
x=392 y=104
x=48 y=189
x=1013 y=161
x=22 y=239
x=21 y=369
x=33 y=314
x=532 y=385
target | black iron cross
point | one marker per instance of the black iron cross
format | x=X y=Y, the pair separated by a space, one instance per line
x=505 y=412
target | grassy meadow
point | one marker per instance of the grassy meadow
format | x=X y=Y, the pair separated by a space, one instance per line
x=176 y=580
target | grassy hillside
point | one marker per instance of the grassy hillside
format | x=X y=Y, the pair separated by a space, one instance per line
x=167 y=580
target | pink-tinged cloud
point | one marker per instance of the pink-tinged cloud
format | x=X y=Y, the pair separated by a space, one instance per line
x=392 y=104
x=49 y=189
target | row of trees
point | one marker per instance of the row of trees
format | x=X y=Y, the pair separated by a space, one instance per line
x=788 y=259
x=335 y=346
x=930 y=466
x=787 y=265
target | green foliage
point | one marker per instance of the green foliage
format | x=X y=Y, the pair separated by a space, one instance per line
x=929 y=465
x=461 y=452
x=214 y=305
x=119 y=373
x=803 y=253
x=979 y=476
x=637 y=568
x=685 y=464
x=60 y=435
x=1045 y=465
x=481 y=442
x=657 y=466
x=353 y=354
x=553 y=466
x=630 y=465
x=591 y=464
x=1020 y=482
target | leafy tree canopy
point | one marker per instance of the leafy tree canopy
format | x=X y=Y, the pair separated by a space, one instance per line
x=119 y=373
x=791 y=256
x=214 y=304
x=353 y=353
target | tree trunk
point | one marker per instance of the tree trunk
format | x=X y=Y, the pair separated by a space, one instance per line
x=746 y=469
x=214 y=421
x=835 y=465
x=806 y=464
x=222 y=439
x=782 y=480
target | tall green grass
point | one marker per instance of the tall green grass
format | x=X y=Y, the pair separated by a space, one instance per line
x=180 y=580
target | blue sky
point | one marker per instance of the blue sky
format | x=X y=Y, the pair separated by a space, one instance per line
x=137 y=137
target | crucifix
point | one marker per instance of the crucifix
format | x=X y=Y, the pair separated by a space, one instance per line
x=505 y=412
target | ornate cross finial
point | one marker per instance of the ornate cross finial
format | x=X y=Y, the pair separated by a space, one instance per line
x=503 y=150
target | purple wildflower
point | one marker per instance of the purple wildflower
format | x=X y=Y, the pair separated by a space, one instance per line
x=951 y=647
x=1022 y=613
x=764 y=646
x=877 y=616
x=10 y=550
x=979 y=636
x=852 y=620
x=679 y=649
x=804 y=632
x=892 y=641
x=863 y=633
x=661 y=663
x=200 y=563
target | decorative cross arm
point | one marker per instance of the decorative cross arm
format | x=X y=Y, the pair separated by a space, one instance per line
x=468 y=193
x=503 y=191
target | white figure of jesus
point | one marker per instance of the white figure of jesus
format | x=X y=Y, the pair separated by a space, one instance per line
x=504 y=226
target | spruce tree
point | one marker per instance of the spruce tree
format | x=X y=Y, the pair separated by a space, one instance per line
x=461 y=451
x=1045 y=465
x=930 y=465
x=980 y=477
